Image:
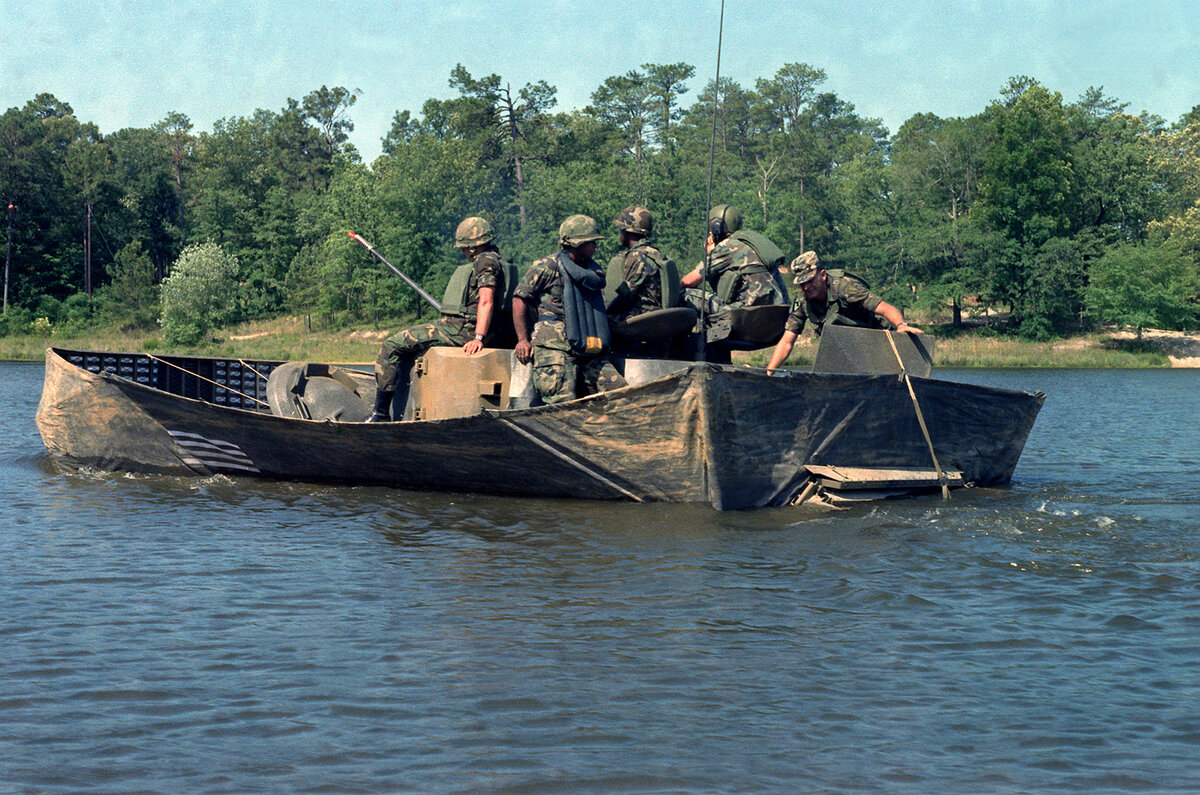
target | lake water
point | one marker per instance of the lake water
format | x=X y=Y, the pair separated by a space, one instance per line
x=214 y=635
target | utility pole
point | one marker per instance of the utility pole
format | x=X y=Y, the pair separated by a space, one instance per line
x=8 y=256
x=87 y=253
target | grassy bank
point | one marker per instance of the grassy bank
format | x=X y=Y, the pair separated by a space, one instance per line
x=980 y=349
x=284 y=339
x=289 y=339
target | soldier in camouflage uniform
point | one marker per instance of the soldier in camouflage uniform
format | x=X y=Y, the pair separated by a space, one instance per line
x=641 y=288
x=754 y=285
x=466 y=327
x=839 y=298
x=559 y=373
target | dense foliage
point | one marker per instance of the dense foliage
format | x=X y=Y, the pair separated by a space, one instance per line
x=1060 y=213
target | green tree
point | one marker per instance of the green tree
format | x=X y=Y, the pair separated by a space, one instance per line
x=199 y=294
x=666 y=83
x=1175 y=160
x=1113 y=192
x=1144 y=286
x=327 y=108
x=130 y=298
x=1025 y=189
x=624 y=103
x=933 y=176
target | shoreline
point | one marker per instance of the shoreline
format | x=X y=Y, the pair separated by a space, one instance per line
x=288 y=340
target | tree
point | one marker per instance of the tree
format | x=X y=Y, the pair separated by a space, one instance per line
x=130 y=297
x=666 y=84
x=1113 y=191
x=1025 y=187
x=327 y=108
x=786 y=95
x=933 y=176
x=518 y=115
x=176 y=127
x=1175 y=159
x=1028 y=171
x=200 y=293
x=624 y=103
x=1144 y=286
x=86 y=169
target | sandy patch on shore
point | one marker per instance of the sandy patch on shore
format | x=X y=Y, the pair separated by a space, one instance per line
x=1182 y=348
x=367 y=335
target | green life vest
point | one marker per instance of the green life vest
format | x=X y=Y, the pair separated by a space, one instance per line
x=668 y=277
x=770 y=254
x=772 y=257
x=833 y=315
x=458 y=291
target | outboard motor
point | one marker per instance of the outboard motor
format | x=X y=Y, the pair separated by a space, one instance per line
x=319 y=392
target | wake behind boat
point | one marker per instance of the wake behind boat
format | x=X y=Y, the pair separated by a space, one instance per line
x=687 y=432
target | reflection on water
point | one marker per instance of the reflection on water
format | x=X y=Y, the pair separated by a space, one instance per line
x=168 y=634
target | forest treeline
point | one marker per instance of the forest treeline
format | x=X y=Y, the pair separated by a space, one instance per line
x=1062 y=214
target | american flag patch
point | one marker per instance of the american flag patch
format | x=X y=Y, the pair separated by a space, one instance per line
x=212 y=453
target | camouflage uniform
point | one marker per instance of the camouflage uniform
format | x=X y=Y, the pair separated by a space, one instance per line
x=399 y=351
x=755 y=289
x=556 y=369
x=855 y=304
x=642 y=284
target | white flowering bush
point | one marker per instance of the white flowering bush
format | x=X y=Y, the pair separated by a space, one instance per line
x=199 y=294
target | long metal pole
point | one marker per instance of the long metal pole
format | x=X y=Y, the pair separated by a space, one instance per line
x=8 y=256
x=421 y=292
x=87 y=254
x=712 y=148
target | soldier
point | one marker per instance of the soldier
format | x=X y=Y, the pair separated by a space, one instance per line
x=833 y=297
x=469 y=305
x=734 y=270
x=570 y=338
x=639 y=265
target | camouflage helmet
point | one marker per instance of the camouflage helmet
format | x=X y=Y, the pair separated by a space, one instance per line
x=636 y=219
x=805 y=266
x=724 y=220
x=577 y=230
x=473 y=232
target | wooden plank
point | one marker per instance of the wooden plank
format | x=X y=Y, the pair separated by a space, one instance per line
x=847 y=478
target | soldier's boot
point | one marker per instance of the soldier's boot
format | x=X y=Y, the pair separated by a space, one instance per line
x=383 y=406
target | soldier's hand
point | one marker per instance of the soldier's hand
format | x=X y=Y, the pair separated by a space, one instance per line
x=524 y=352
x=472 y=347
x=904 y=327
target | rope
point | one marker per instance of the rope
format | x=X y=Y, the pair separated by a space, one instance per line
x=214 y=383
x=251 y=369
x=920 y=418
x=586 y=470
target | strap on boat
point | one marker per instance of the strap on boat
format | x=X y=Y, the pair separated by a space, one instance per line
x=572 y=461
x=920 y=418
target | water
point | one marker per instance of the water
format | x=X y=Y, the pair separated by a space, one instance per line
x=215 y=635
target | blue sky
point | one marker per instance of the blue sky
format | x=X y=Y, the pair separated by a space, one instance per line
x=123 y=63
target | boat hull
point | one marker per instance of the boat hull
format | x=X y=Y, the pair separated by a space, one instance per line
x=730 y=437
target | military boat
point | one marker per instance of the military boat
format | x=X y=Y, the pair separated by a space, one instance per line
x=687 y=432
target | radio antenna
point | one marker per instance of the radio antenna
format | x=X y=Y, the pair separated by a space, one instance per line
x=712 y=148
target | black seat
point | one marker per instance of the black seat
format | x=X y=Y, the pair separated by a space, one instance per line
x=747 y=327
x=659 y=325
